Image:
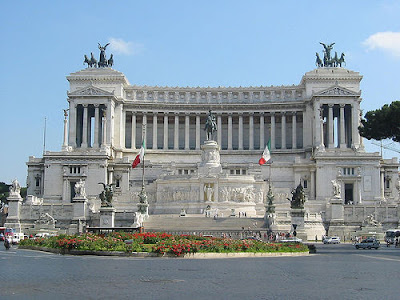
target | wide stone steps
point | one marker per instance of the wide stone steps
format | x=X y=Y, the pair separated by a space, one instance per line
x=201 y=223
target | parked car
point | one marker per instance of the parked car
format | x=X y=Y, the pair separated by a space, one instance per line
x=332 y=240
x=368 y=244
x=291 y=240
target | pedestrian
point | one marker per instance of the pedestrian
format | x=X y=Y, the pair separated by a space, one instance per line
x=316 y=238
x=6 y=243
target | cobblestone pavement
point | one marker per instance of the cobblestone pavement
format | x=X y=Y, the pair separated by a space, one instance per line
x=335 y=272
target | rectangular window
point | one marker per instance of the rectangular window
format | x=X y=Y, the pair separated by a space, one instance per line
x=305 y=183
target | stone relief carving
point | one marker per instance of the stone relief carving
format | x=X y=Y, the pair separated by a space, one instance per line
x=46 y=219
x=370 y=220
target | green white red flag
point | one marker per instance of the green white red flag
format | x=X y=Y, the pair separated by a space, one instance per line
x=266 y=156
x=139 y=158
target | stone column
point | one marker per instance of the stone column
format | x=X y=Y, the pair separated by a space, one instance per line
x=85 y=128
x=273 y=131
x=187 y=126
x=240 y=131
x=197 y=131
x=262 y=130
x=144 y=126
x=251 y=131
x=176 y=132
x=230 y=131
x=355 y=114
x=219 y=129
x=104 y=131
x=96 y=126
x=155 y=131
x=312 y=184
x=133 y=130
x=122 y=127
x=317 y=122
x=283 y=130
x=382 y=185
x=72 y=125
x=294 y=131
x=330 y=127
x=342 y=123
x=165 y=146
x=65 y=141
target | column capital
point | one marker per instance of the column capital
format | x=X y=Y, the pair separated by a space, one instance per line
x=262 y=113
x=155 y=114
x=342 y=105
x=330 y=105
x=272 y=113
x=85 y=105
x=251 y=113
x=96 y=105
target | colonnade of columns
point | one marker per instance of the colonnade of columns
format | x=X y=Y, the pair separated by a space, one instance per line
x=235 y=131
x=337 y=125
x=86 y=124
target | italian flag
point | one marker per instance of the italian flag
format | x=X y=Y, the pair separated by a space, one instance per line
x=139 y=158
x=266 y=156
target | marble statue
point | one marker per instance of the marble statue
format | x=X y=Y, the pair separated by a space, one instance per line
x=336 y=189
x=80 y=189
x=15 y=188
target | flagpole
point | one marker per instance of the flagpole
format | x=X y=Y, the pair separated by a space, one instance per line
x=143 y=145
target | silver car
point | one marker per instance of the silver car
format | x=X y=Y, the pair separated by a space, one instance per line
x=368 y=244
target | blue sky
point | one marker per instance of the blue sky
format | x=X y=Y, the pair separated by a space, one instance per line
x=180 y=43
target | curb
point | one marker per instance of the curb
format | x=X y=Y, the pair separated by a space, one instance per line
x=149 y=254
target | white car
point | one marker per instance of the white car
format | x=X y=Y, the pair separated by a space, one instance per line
x=291 y=240
x=332 y=240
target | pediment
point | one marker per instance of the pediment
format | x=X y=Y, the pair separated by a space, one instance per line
x=90 y=91
x=337 y=91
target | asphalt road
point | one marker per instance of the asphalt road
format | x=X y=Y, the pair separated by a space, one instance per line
x=334 y=272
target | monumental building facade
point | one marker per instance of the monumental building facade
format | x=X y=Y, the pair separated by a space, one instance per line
x=314 y=141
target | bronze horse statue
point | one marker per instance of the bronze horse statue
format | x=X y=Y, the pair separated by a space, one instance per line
x=111 y=61
x=318 y=60
x=90 y=62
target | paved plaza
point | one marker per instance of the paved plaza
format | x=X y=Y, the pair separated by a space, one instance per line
x=335 y=272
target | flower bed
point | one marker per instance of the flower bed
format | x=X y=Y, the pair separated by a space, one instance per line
x=160 y=243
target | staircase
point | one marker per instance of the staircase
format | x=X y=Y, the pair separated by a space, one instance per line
x=193 y=223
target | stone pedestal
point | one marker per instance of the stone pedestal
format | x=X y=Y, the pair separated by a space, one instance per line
x=14 y=209
x=78 y=223
x=107 y=216
x=210 y=160
x=297 y=218
x=337 y=209
x=80 y=208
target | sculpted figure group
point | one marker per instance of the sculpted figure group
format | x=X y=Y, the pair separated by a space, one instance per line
x=329 y=61
x=103 y=61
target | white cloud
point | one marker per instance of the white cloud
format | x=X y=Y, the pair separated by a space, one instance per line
x=387 y=41
x=119 y=46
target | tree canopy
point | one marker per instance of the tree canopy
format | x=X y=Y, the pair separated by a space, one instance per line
x=382 y=123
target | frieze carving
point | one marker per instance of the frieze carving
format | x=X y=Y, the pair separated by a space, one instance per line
x=337 y=91
x=90 y=91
